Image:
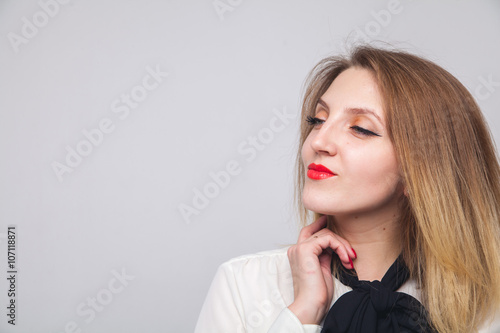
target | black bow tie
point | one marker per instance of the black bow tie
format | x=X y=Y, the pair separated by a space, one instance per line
x=376 y=307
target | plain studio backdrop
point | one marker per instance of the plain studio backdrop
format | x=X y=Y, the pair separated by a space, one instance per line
x=143 y=143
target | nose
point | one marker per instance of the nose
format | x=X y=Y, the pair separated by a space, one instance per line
x=324 y=140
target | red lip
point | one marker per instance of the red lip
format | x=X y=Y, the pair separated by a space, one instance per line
x=318 y=171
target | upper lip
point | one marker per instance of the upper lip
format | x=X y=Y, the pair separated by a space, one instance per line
x=320 y=167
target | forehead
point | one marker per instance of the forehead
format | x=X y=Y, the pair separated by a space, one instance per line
x=355 y=88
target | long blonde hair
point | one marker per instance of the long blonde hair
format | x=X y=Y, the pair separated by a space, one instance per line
x=449 y=164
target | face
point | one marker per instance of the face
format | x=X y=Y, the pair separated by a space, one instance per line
x=349 y=137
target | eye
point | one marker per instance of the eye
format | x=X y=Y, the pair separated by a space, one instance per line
x=363 y=131
x=314 y=121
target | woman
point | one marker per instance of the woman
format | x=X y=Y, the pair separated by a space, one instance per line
x=401 y=172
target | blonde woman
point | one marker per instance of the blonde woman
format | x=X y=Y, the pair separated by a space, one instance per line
x=400 y=171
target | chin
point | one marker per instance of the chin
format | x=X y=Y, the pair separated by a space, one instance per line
x=317 y=206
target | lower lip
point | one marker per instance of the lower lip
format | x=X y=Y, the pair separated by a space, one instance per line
x=314 y=174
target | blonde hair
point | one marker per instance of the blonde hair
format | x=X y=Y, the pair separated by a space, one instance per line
x=449 y=164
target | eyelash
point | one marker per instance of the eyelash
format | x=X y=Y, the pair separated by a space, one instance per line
x=315 y=121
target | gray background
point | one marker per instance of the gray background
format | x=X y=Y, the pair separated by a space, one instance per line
x=119 y=208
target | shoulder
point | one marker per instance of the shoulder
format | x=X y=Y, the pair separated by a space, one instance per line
x=267 y=259
x=492 y=324
x=411 y=288
x=261 y=270
x=254 y=287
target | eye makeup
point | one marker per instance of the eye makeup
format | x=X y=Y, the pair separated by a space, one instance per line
x=313 y=121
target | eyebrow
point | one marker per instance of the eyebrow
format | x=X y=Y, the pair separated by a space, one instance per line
x=354 y=110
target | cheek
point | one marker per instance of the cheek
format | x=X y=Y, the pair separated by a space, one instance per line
x=306 y=151
x=375 y=170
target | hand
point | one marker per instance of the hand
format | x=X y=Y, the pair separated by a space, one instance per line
x=310 y=262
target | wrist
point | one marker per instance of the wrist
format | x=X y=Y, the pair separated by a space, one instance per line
x=307 y=315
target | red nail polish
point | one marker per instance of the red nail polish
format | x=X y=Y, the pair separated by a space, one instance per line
x=352 y=265
x=355 y=255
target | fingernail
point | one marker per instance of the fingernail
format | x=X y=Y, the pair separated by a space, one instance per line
x=355 y=255
x=352 y=265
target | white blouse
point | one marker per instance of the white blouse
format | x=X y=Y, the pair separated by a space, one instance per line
x=251 y=294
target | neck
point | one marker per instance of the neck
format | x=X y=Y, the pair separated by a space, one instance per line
x=376 y=240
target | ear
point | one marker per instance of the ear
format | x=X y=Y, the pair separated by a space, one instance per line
x=402 y=188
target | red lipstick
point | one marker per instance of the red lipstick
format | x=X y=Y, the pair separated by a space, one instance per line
x=318 y=171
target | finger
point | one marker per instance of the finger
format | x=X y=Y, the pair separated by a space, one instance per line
x=342 y=251
x=312 y=228
x=350 y=250
x=325 y=258
x=324 y=240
